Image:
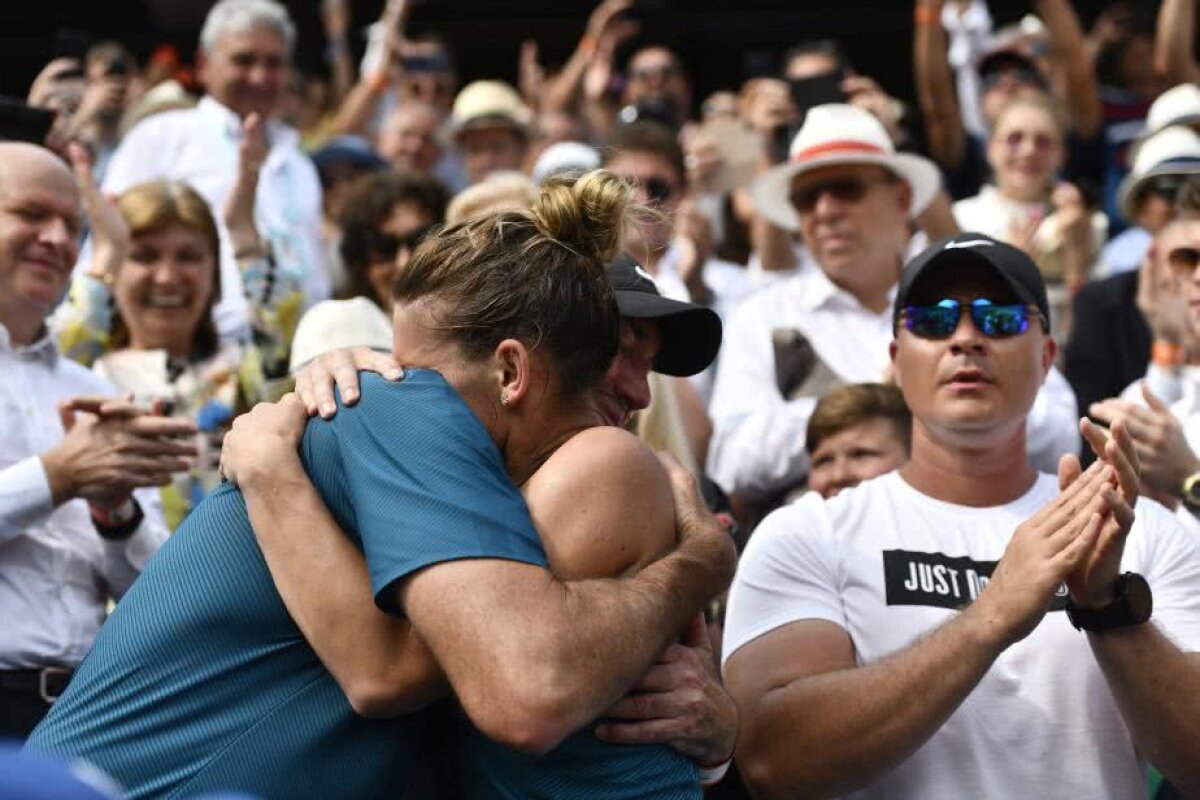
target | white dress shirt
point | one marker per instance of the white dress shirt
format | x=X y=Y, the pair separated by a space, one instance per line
x=200 y=146
x=56 y=572
x=758 y=435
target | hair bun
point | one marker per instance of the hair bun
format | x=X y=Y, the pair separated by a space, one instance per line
x=586 y=213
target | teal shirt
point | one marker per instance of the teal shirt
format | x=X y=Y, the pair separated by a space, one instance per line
x=201 y=681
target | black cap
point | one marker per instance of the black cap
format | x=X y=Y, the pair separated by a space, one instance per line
x=352 y=150
x=1011 y=264
x=691 y=334
x=1009 y=58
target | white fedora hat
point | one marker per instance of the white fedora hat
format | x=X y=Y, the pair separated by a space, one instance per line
x=1176 y=106
x=837 y=133
x=336 y=324
x=1175 y=150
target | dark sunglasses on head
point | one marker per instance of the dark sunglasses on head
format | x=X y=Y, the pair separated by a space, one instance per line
x=385 y=246
x=845 y=190
x=1021 y=76
x=993 y=320
x=1184 y=260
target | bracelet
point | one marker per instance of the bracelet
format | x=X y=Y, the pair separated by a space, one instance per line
x=118 y=523
x=588 y=45
x=923 y=15
x=1167 y=354
x=379 y=80
x=710 y=776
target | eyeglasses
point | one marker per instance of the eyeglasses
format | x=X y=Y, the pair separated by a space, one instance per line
x=993 y=320
x=385 y=246
x=844 y=190
x=1184 y=260
x=1041 y=142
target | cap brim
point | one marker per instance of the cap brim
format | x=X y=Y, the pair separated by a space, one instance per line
x=1132 y=185
x=772 y=192
x=691 y=334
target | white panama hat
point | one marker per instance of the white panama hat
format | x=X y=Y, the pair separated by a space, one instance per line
x=337 y=324
x=837 y=133
x=1175 y=150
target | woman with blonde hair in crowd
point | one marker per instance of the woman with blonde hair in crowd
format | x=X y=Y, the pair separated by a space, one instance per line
x=1027 y=205
x=141 y=317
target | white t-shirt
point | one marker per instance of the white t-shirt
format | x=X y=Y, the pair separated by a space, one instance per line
x=889 y=564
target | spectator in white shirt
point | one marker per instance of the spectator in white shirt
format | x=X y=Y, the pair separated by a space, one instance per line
x=245 y=48
x=853 y=198
x=72 y=534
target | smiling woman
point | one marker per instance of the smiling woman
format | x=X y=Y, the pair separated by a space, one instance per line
x=143 y=320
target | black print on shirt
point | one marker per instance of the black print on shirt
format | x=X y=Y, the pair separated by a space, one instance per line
x=939 y=580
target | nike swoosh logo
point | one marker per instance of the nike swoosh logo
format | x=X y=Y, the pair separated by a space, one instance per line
x=968 y=243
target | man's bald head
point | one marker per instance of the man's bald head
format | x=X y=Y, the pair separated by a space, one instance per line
x=40 y=222
x=409 y=140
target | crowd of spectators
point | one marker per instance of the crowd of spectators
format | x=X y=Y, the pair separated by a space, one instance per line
x=199 y=236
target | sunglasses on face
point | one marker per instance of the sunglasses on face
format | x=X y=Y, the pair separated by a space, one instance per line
x=1184 y=260
x=1164 y=186
x=658 y=190
x=385 y=246
x=1041 y=142
x=844 y=190
x=993 y=320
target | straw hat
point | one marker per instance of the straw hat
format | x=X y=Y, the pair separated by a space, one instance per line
x=489 y=104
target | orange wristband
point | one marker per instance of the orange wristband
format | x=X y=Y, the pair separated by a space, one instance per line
x=588 y=44
x=379 y=80
x=923 y=15
x=1166 y=354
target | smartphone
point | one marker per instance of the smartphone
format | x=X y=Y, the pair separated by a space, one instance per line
x=818 y=90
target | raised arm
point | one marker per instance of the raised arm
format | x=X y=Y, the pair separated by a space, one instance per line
x=817 y=725
x=1069 y=48
x=1175 y=42
x=935 y=85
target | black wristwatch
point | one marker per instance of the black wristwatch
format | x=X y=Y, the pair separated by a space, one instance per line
x=1132 y=605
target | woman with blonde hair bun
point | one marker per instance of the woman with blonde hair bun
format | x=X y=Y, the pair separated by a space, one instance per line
x=506 y=325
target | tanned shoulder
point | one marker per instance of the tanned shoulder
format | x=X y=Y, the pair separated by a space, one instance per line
x=602 y=505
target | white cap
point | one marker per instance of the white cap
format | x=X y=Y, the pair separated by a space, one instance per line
x=565 y=157
x=338 y=324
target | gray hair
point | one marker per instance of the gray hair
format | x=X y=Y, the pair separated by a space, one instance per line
x=238 y=16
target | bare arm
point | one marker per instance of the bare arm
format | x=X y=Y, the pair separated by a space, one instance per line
x=1068 y=42
x=935 y=86
x=533 y=659
x=1157 y=689
x=378 y=661
x=1175 y=42
x=815 y=724
x=336 y=16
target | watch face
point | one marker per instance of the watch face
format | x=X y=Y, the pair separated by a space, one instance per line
x=1140 y=600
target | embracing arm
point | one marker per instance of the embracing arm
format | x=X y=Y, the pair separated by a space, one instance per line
x=531 y=658
x=1067 y=40
x=379 y=662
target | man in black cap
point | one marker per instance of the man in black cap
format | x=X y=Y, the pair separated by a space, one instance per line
x=908 y=637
